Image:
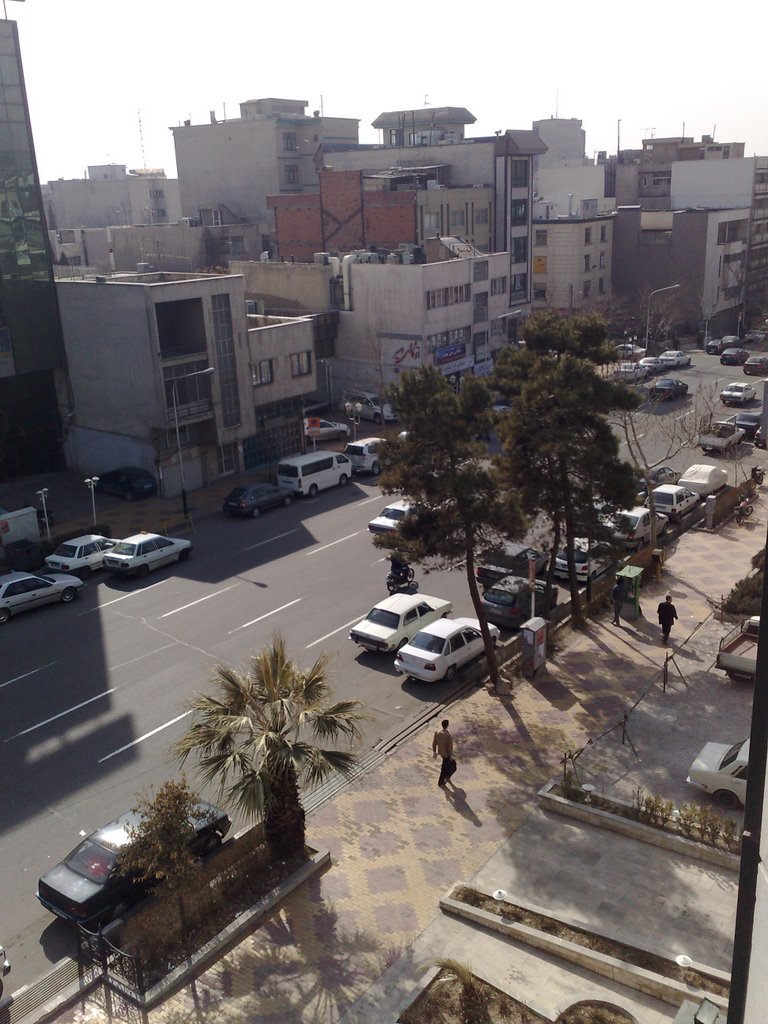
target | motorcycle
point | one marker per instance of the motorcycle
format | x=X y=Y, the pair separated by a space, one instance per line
x=397 y=580
x=758 y=474
x=743 y=511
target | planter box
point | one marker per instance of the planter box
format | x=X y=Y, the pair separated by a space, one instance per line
x=550 y=801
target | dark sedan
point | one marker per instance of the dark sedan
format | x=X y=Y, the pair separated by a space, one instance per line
x=667 y=387
x=127 y=482
x=734 y=357
x=87 y=887
x=508 y=602
x=509 y=559
x=749 y=423
x=253 y=499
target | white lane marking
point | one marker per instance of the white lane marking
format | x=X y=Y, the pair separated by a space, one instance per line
x=198 y=601
x=689 y=413
x=26 y=674
x=264 y=616
x=333 y=632
x=133 y=593
x=376 y=497
x=146 y=736
x=61 y=714
x=270 y=541
x=147 y=654
x=332 y=544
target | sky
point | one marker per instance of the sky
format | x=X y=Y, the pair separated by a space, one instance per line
x=106 y=80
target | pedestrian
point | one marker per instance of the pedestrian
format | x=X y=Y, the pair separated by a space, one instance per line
x=618 y=600
x=442 y=744
x=667 y=614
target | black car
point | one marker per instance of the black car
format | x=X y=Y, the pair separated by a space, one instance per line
x=667 y=387
x=509 y=559
x=127 y=482
x=253 y=499
x=749 y=423
x=508 y=602
x=87 y=887
x=734 y=357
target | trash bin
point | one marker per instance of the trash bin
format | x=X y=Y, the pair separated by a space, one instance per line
x=23 y=555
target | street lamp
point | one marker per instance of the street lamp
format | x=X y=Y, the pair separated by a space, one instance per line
x=174 y=381
x=41 y=495
x=656 y=291
x=90 y=482
x=353 y=412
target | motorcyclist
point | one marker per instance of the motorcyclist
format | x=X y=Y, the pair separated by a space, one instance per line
x=398 y=566
x=757 y=474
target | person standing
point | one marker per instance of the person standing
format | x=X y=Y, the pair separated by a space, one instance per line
x=618 y=600
x=667 y=614
x=442 y=744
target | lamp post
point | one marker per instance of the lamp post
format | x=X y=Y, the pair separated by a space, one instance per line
x=656 y=291
x=328 y=388
x=90 y=482
x=353 y=412
x=41 y=495
x=175 y=380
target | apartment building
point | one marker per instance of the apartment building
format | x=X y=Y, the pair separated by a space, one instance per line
x=111 y=194
x=572 y=264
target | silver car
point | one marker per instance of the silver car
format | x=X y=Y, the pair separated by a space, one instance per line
x=22 y=591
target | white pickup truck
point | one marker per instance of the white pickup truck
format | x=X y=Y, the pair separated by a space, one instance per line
x=720 y=436
x=737 y=656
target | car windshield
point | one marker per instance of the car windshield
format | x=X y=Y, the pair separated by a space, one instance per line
x=382 y=617
x=504 y=597
x=579 y=556
x=428 y=642
x=236 y=493
x=123 y=548
x=732 y=753
x=66 y=550
x=354 y=449
x=393 y=513
x=92 y=861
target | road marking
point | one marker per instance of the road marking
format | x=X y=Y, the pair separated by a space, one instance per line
x=133 y=593
x=26 y=674
x=270 y=541
x=146 y=736
x=333 y=632
x=198 y=601
x=147 y=654
x=376 y=497
x=264 y=616
x=61 y=714
x=332 y=544
x=689 y=413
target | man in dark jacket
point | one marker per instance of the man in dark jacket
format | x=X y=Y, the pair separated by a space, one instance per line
x=667 y=614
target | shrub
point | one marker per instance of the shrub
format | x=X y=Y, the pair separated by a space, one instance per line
x=728 y=833
x=745 y=597
x=689 y=814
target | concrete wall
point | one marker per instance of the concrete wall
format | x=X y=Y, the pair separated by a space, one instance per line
x=276 y=340
x=303 y=286
x=562 y=191
x=99 y=203
x=565 y=140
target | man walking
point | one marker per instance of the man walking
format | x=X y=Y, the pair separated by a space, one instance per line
x=442 y=744
x=667 y=614
x=618 y=600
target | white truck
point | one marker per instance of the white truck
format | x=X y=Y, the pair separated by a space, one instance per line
x=721 y=436
x=721 y=770
x=737 y=656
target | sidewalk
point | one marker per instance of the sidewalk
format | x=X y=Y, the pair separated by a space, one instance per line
x=351 y=942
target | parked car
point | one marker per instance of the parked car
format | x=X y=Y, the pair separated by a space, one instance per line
x=667 y=387
x=509 y=559
x=715 y=346
x=721 y=769
x=365 y=455
x=88 y=888
x=23 y=591
x=367 y=405
x=253 y=499
x=758 y=438
x=128 y=482
x=734 y=356
x=737 y=394
x=324 y=430
x=674 y=501
x=654 y=364
x=749 y=422
x=674 y=357
x=138 y=555
x=508 y=602
x=441 y=648
x=391 y=623
x=633 y=526
x=632 y=373
x=80 y=556
x=390 y=517
x=703 y=479
x=658 y=475
x=630 y=352
x=590 y=560
x=756 y=366
x=755 y=336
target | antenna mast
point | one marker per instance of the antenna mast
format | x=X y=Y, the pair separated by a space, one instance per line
x=141 y=140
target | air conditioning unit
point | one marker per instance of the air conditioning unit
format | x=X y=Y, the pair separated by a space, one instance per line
x=322 y=257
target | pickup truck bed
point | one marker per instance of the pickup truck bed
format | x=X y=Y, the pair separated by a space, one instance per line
x=737 y=656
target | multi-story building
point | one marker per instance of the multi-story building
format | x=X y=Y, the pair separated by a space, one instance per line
x=32 y=361
x=112 y=195
x=572 y=264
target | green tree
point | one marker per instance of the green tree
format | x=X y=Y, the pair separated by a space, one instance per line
x=252 y=737
x=441 y=466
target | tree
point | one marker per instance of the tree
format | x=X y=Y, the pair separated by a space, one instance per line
x=440 y=466
x=252 y=737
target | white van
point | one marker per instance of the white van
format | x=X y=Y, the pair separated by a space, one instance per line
x=308 y=474
x=364 y=455
x=372 y=406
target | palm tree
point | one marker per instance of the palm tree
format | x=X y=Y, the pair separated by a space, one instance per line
x=251 y=737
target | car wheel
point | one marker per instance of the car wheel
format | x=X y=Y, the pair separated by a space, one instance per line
x=84 y=573
x=450 y=672
x=377 y=418
x=183 y=554
x=375 y=469
x=287 y=500
x=311 y=493
x=68 y=594
x=343 y=480
x=727 y=799
x=255 y=512
x=4 y=615
x=142 y=572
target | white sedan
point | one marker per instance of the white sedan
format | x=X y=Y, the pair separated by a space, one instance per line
x=80 y=556
x=391 y=623
x=631 y=372
x=138 y=555
x=23 y=591
x=437 y=651
x=325 y=430
x=653 y=364
x=674 y=357
x=737 y=394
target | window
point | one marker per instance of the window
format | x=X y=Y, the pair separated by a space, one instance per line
x=587 y=236
x=541 y=237
x=161 y=211
x=586 y=289
x=395 y=136
x=289 y=142
x=603 y=233
x=519 y=249
x=291 y=174
x=480 y=270
x=498 y=285
x=587 y=266
x=301 y=364
x=601 y=285
x=262 y=372
x=519 y=211
x=438 y=297
x=431 y=222
x=519 y=287
x=519 y=173
x=479 y=307
x=456 y=219
x=481 y=216
x=223 y=335
x=540 y=291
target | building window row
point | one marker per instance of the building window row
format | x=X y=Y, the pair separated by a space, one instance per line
x=457 y=336
x=449 y=296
